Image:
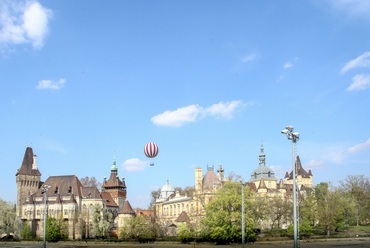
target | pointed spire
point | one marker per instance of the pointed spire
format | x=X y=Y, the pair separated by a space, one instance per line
x=262 y=156
x=29 y=166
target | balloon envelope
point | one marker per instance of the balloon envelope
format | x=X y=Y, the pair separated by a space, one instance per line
x=151 y=150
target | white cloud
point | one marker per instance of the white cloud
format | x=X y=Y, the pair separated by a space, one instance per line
x=361 y=61
x=194 y=112
x=223 y=109
x=359 y=147
x=249 y=58
x=353 y=8
x=50 y=84
x=134 y=164
x=35 y=23
x=24 y=22
x=178 y=117
x=360 y=82
x=288 y=65
x=315 y=164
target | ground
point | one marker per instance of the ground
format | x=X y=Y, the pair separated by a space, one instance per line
x=343 y=243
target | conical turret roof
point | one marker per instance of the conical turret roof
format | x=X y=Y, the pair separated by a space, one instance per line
x=126 y=208
x=29 y=166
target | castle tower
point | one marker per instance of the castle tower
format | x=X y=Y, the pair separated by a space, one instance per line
x=304 y=178
x=198 y=180
x=28 y=179
x=115 y=186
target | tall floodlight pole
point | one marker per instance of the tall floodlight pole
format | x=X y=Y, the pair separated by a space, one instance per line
x=243 y=225
x=44 y=189
x=294 y=137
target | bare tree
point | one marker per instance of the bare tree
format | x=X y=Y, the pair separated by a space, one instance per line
x=357 y=188
x=90 y=182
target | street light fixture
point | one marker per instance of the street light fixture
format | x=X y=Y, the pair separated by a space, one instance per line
x=43 y=190
x=294 y=137
x=243 y=225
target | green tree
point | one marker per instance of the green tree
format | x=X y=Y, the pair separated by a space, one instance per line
x=138 y=228
x=330 y=207
x=357 y=189
x=26 y=232
x=56 y=229
x=185 y=233
x=308 y=208
x=102 y=221
x=259 y=209
x=7 y=217
x=276 y=210
x=224 y=214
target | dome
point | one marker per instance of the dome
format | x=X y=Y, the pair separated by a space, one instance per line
x=114 y=166
x=166 y=190
x=262 y=170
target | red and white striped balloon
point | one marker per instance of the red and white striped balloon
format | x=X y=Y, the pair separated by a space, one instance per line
x=151 y=150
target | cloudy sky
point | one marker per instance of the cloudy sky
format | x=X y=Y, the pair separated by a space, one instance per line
x=87 y=82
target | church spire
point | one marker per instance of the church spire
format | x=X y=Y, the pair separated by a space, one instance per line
x=262 y=156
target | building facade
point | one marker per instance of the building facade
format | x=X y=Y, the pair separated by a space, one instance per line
x=65 y=198
x=171 y=208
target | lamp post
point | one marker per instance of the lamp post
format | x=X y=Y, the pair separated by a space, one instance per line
x=243 y=227
x=44 y=189
x=294 y=137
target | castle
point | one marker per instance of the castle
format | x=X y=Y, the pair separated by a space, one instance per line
x=65 y=196
x=173 y=208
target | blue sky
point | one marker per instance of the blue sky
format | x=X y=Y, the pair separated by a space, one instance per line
x=84 y=82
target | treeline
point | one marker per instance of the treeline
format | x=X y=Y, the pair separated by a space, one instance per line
x=326 y=207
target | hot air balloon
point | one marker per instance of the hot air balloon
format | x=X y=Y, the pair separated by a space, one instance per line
x=151 y=150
